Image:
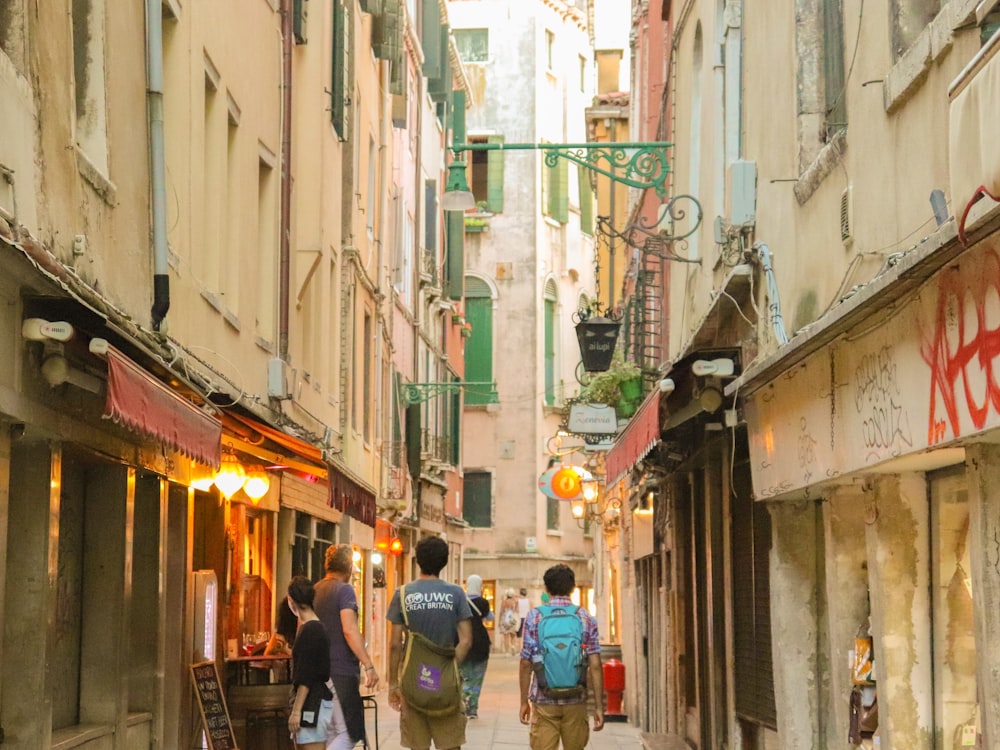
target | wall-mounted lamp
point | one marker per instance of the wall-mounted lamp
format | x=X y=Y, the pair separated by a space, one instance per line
x=457 y=196
x=231 y=476
x=257 y=483
x=202 y=477
x=647 y=503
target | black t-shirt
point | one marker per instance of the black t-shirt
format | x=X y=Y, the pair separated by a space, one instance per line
x=480 y=650
x=311 y=655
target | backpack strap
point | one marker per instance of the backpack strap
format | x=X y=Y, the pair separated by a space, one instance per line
x=475 y=608
x=402 y=606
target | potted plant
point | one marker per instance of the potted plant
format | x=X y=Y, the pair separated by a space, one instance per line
x=619 y=386
x=478 y=220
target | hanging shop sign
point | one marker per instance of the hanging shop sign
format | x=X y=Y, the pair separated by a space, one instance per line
x=592 y=419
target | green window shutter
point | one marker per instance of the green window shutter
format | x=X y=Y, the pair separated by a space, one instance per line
x=477 y=503
x=430 y=38
x=550 y=351
x=341 y=70
x=561 y=191
x=456 y=425
x=413 y=439
x=586 y=201
x=494 y=177
x=455 y=247
x=300 y=16
x=439 y=86
x=479 y=350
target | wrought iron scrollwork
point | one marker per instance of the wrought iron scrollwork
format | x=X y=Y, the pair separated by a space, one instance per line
x=645 y=167
x=684 y=211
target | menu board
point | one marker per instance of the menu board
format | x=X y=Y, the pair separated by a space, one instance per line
x=212 y=704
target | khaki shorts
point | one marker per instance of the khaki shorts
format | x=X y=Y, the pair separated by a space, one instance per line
x=417 y=730
x=550 y=724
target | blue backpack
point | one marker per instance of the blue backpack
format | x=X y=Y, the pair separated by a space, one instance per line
x=560 y=640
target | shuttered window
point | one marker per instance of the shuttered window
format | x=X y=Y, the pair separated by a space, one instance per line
x=550 y=343
x=479 y=345
x=586 y=201
x=751 y=542
x=477 y=500
x=485 y=174
x=556 y=180
x=341 y=70
x=455 y=249
x=473 y=44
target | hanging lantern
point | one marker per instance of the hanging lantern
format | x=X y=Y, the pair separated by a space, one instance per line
x=231 y=476
x=202 y=477
x=257 y=484
x=561 y=482
x=396 y=546
x=597 y=337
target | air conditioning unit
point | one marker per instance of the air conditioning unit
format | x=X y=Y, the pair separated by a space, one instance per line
x=741 y=193
x=846 y=218
x=279 y=378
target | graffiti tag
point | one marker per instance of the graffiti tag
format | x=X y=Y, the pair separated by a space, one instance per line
x=876 y=397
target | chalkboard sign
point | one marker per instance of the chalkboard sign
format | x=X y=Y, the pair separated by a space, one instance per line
x=212 y=704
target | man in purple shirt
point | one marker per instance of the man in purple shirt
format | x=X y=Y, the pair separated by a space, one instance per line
x=560 y=719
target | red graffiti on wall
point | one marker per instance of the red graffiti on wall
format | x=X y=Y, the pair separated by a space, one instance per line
x=965 y=342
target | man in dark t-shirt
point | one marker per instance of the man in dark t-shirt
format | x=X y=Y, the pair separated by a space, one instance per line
x=438 y=610
x=337 y=607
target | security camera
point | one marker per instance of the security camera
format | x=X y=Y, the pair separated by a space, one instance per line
x=667 y=385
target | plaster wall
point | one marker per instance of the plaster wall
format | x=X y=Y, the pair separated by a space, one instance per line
x=520 y=253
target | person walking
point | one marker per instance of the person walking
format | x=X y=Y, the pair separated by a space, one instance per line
x=553 y=676
x=510 y=621
x=473 y=669
x=337 y=609
x=312 y=705
x=429 y=609
x=523 y=607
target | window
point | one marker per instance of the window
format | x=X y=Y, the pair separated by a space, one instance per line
x=550 y=343
x=909 y=18
x=586 y=201
x=13 y=29
x=821 y=82
x=552 y=514
x=372 y=174
x=213 y=184
x=486 y=174
x=479 y=345
x=694 y=179
x=473 y=44
x=550 y=47
x=369 y=332
x=267 y=242
x=312 y=538
x=583 y=73
x=230 y=281
x=555 y=183
x=477 y=494
x=341 y=70
x=88 y=81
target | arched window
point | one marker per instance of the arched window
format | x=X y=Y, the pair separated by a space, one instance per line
x=479 y=346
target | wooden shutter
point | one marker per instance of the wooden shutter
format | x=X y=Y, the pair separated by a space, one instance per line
x=561 y=212
x=494 y=177
x=340 y=71
x=550 y=343
x=455 y=247
x=479 y=346
x=430 y=38
x=586 y=201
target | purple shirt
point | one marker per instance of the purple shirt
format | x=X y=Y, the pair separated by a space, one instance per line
x=332 y=597
x=530 y=647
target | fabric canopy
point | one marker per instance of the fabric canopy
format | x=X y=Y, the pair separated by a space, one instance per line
x=351 y=498
x=143 y=404
x=638 y=439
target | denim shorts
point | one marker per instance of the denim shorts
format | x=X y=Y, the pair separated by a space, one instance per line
x=318 y=732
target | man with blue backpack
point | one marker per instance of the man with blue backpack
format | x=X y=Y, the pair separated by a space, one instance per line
x=561 y=647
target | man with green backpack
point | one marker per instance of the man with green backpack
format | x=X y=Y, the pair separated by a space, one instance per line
x=561 y=648
x=431 y=636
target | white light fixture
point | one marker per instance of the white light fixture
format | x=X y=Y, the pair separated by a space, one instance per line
x=37 y=329
x=720 y=368
x=377 y=558
x=457 y=196
x=56 y=370
x=202 y=477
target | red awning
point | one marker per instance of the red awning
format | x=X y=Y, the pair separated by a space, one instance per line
x=638 y=439
x=144 y=404
x=351 y=498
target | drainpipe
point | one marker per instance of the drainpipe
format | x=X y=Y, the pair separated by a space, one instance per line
x=157 y=158
x=284 y=242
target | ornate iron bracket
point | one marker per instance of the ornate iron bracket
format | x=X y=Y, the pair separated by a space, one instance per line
x=654 y=241
x=639 y=165
x=416 y=393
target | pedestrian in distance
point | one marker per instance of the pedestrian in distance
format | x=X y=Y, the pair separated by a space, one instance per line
x=523 y=607
x=337 y=609
x=560 y=650
x=509 y=623
x=473 y=669
x=424 y=681
x=312 y=701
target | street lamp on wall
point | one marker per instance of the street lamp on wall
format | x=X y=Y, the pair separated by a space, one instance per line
x=457 y=196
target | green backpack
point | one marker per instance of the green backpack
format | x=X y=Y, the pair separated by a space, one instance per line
x=429 y=678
